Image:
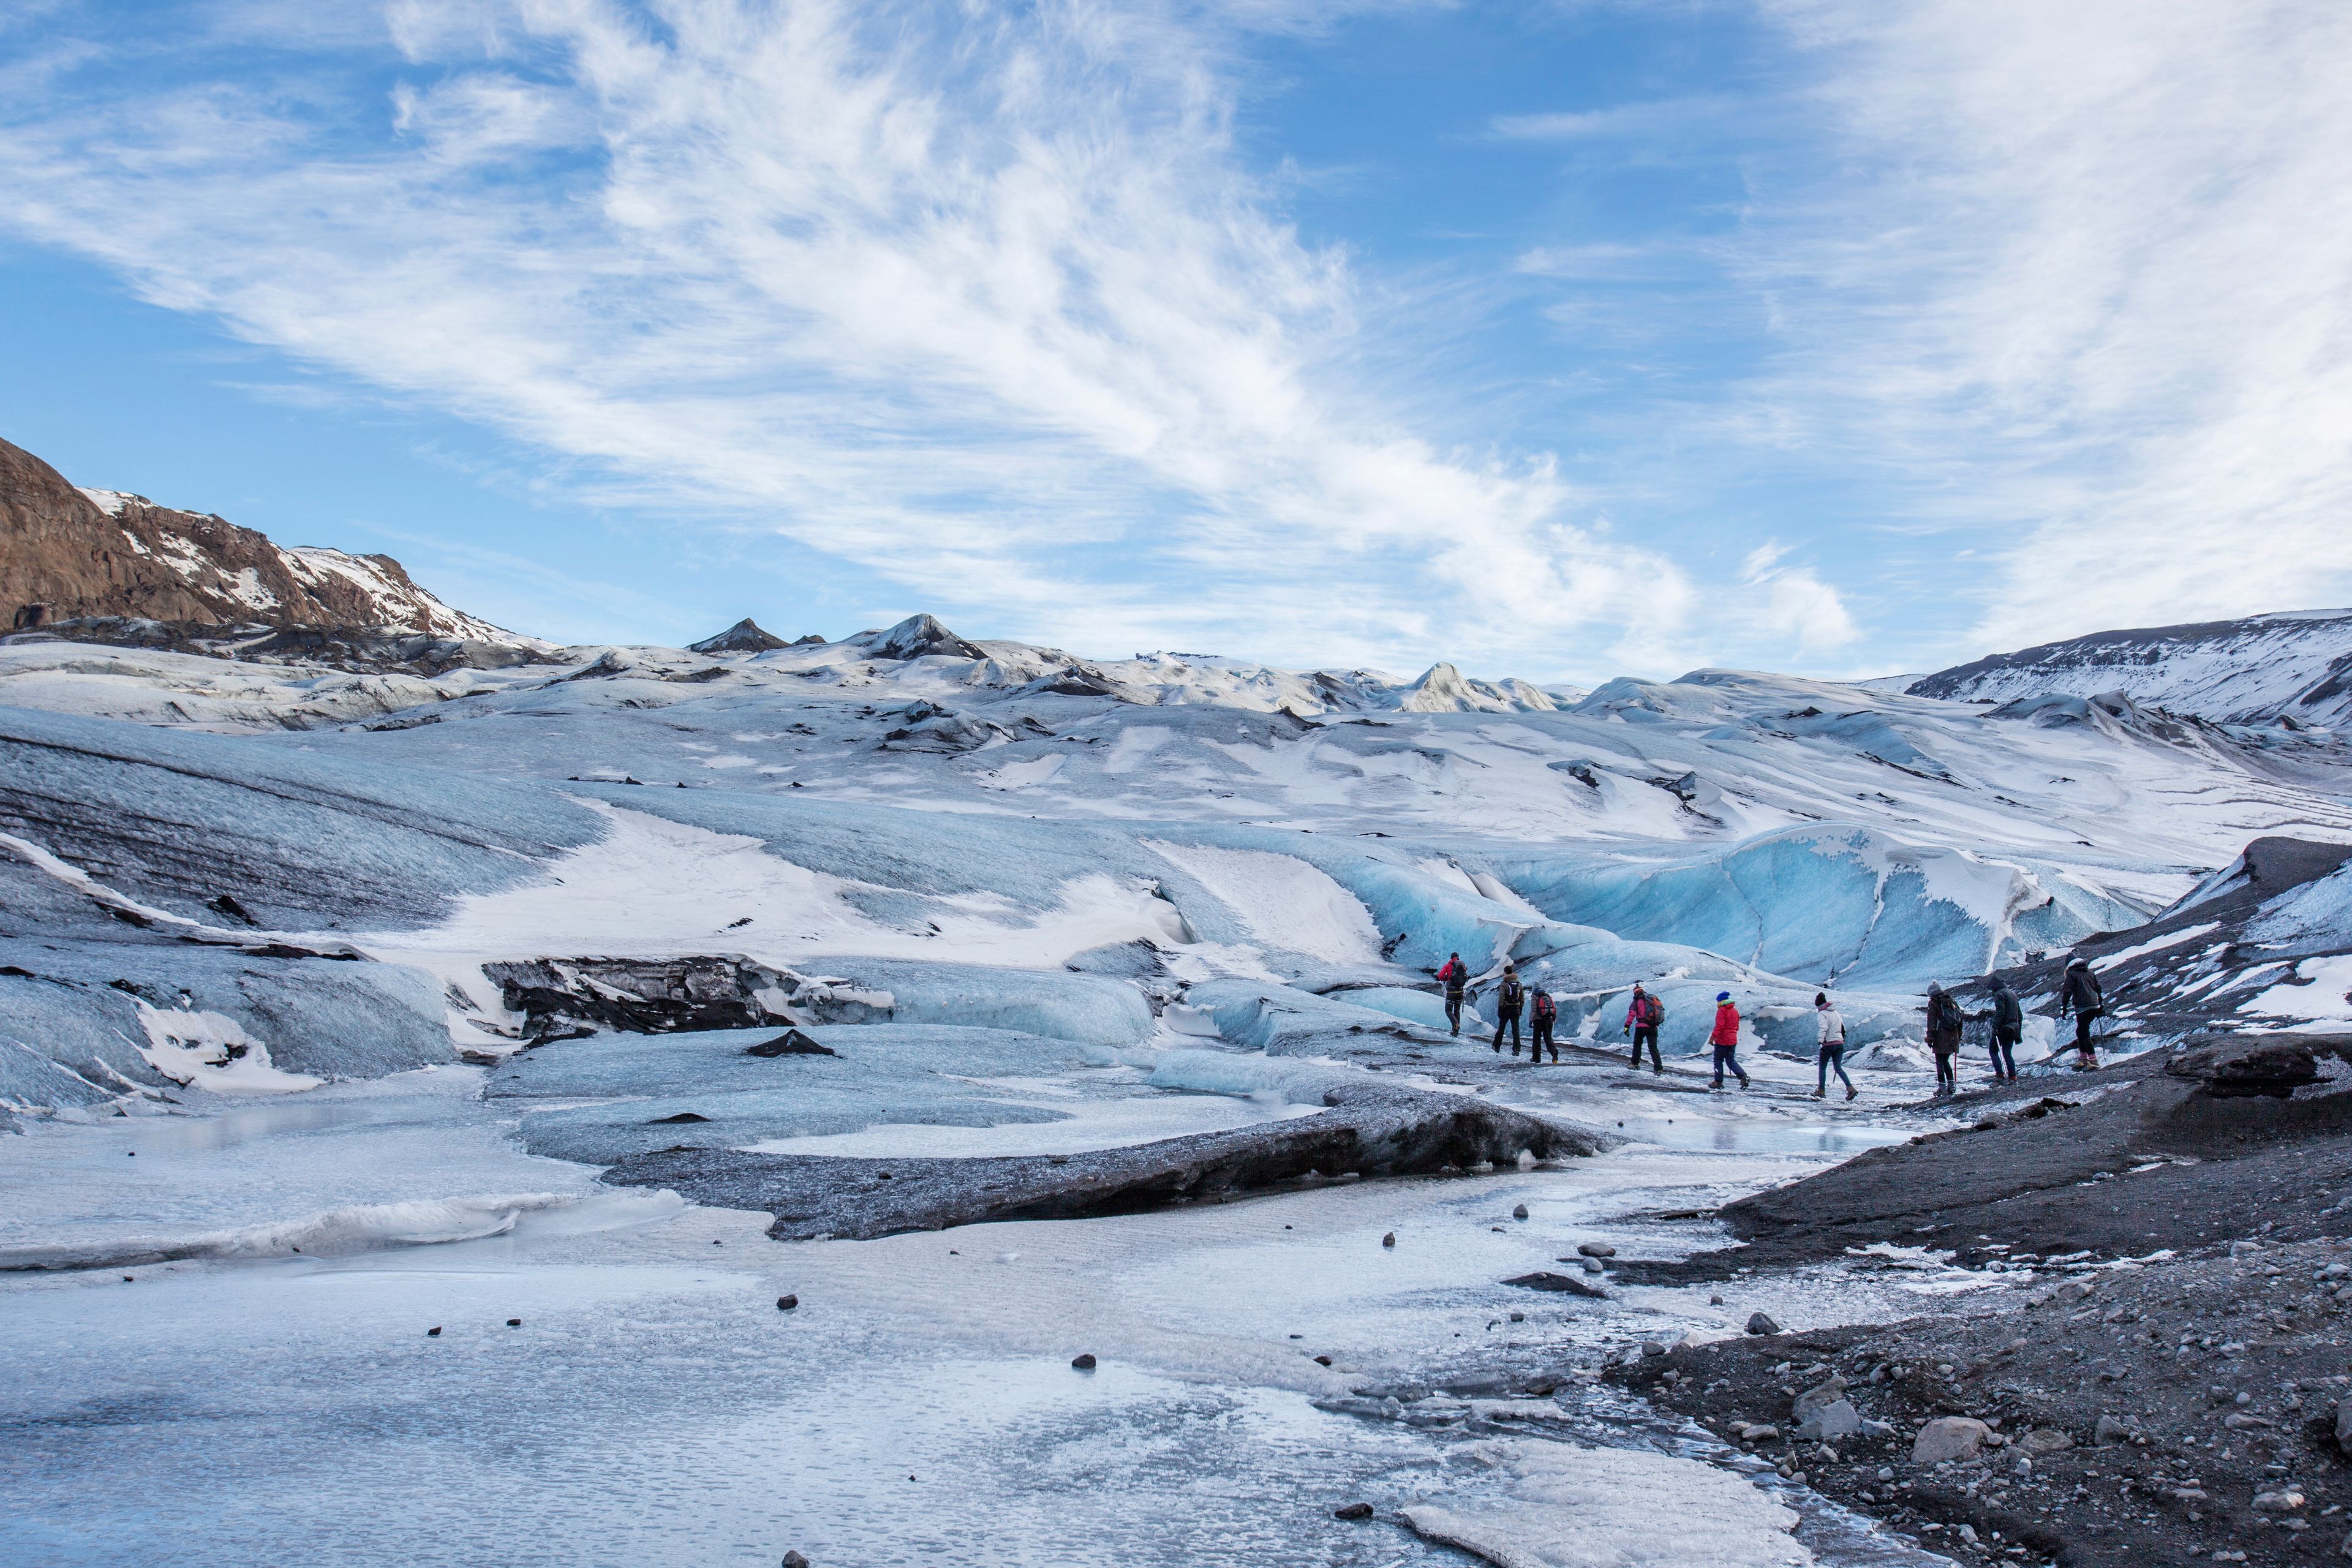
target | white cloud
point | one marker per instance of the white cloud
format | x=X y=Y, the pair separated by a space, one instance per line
x=978 y=298
x=1790 y=603
x=2087 y=287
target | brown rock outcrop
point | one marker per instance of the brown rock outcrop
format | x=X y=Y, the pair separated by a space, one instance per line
x=66 y=552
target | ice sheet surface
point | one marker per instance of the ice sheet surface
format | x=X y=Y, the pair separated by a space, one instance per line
x=655 y=1405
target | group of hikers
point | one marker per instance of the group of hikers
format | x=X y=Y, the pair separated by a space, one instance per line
x=2080 y=994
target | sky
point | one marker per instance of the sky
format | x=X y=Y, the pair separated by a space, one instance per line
x=1560 y=340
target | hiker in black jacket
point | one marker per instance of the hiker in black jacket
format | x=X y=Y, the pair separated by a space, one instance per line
x=1509 y=997
x=1545 y=1013
x=1945 y=1022
x=2007 y=1029
x=2083 y=996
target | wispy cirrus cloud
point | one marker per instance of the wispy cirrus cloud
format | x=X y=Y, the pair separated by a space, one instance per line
x=2082 y=288
x=978 y=298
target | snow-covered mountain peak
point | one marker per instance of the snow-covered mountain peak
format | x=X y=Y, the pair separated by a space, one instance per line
x=745 y=636
x=918 y=637
x=2294 y=667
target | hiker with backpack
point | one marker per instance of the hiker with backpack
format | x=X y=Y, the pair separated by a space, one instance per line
x=1455 y=977
x=1945 y=1022
x=1829 y=1026
x=2007 y=1019
x=2083 y=996
x=1725 y=1038
x=1509 y=997
x=1643 y=1014
x=1545 y=1012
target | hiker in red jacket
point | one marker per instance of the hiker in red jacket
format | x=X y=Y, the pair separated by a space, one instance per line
x=1643 y=1014
x=1545 y=1012
x=1725 y=1038
x=1455 y=977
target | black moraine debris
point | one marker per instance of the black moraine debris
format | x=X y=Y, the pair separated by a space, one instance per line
x=1375 y=1128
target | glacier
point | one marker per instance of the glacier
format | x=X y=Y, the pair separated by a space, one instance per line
x=630 y=992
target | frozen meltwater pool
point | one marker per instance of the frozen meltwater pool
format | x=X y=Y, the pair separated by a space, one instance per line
x=1761 y=1134
x=919 y=1406
x=1084 y=1124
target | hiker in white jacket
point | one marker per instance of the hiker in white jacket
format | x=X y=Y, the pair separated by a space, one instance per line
x=1832 y=1027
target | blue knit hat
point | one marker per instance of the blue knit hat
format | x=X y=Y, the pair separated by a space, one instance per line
x=1723 y=995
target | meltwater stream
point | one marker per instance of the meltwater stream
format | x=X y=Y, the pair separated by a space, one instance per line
x=652 y=1405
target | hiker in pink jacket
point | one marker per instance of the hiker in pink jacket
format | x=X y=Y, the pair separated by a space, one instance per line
x=1643 y=1014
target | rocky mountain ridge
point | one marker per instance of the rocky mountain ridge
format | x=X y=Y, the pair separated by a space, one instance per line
x=2292 y=668
x=71 y=556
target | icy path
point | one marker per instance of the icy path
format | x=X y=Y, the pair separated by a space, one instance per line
x=917 y=1407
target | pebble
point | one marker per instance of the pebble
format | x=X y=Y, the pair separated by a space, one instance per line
x=514 y=1322
x=1762 y=1323
x=786 y=1303
x=1353 y=1510
x=794 y=1559
x=1596 y=1250
x=432 y=1333
x=1084 y=1360
x=1519 y=1212
x=1388 y=1240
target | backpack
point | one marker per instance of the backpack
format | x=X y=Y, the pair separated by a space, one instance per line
x=1654 y=1012
x=1545 y=1006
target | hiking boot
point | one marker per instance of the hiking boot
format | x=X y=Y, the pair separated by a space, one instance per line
x=1658 y=1071
x=1717 y=1084
x=1851 y=1091
x=1820 y=1094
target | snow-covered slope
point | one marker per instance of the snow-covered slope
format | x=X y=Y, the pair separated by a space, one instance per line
x=2295 y=667
x=1275 y=844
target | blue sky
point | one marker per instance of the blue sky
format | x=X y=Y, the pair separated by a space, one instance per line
x=1561 y=340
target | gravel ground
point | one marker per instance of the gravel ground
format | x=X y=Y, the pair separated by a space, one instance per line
x=2164 y=1412
x=2155 y=1342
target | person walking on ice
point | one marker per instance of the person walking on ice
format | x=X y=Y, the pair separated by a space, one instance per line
x=2007 y=1030
x=1545 y=1012
x=1509 y=997
x=1945 y=1022
x=1725 y=1038
x=1831 y=1026
x=1455 y=976
x=2083 y=996
x=1643 y=1014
